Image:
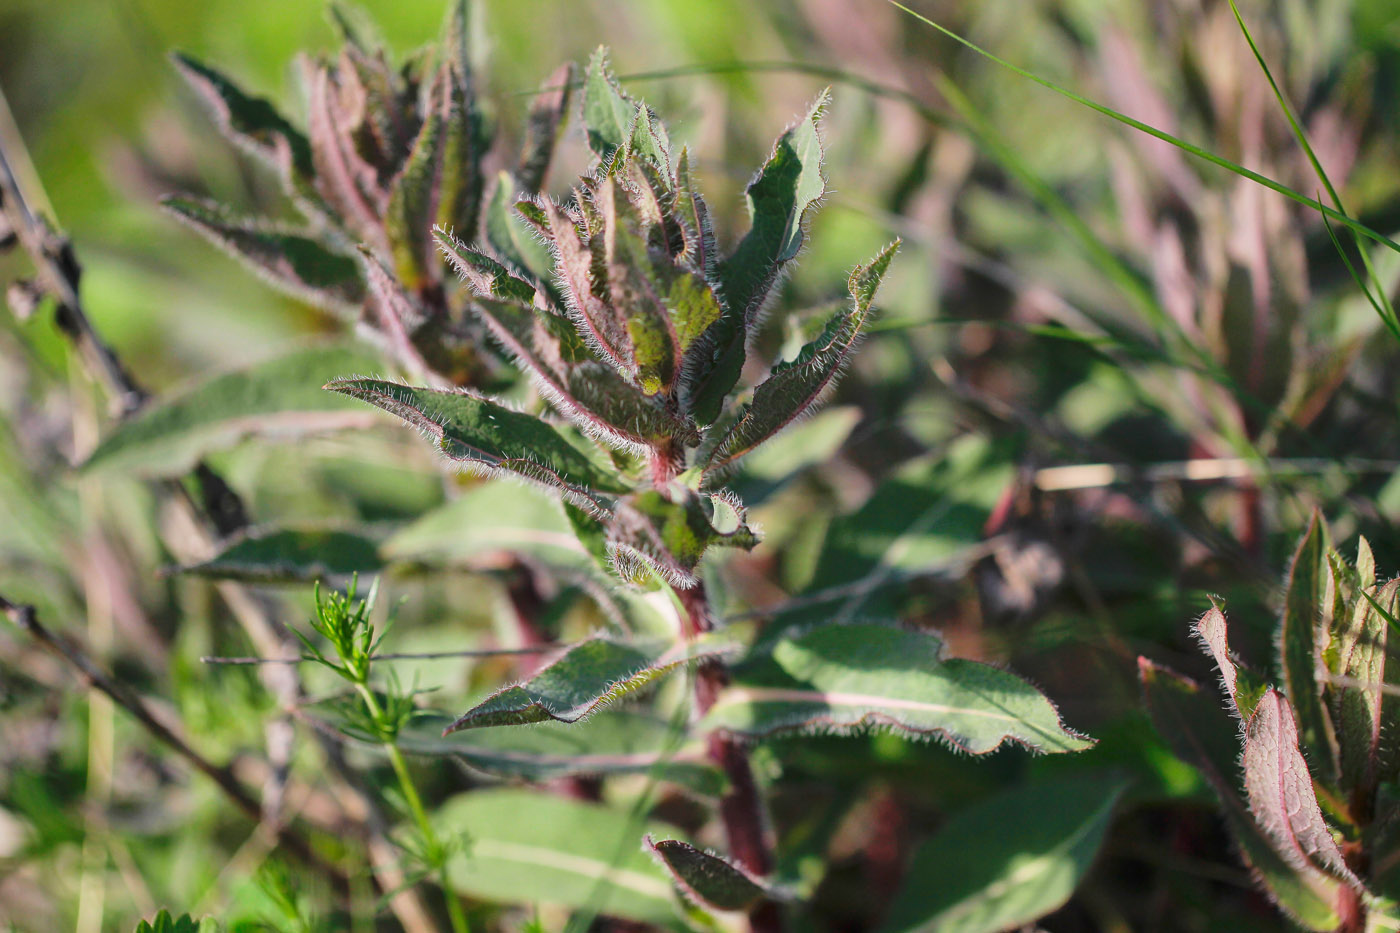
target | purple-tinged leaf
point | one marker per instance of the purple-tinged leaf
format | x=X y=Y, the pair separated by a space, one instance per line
x=251 y=123
x=291 y=262
x=547 y=114
x=1242 y=689
x=779 y=198
x=838 y=678
x=710 y=882
x=587 y=678
x=635 y=298
x=349 y=184
x=1281 y=795
x=697 y=232
x=1200 y=733
x=793 y=388
x=508 y=236
x=594 y=319
x=1309 y=578
x=486 y=436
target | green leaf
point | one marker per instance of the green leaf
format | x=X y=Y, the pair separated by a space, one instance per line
x=411 y=210
x=608 y=112
x=805 y=445
x=636 y=294
x=611 y=742
x=795 y=386
x=653 y=532
x=709 y=881
x=495 y=517
x=869 y=675
x=465 y=139
x=289 y=554
x=785 y=189
x=280 y=398
x=1281 y=794
x=1241 y=687
x=1008 y=860
x=1359 y=650
x=250 y=122
x=532 y=847
x=587 y=678
x=1309 y=577
x=482 y=434
x=507 y=235
x=487 y=277
x=163 y=922
x=296 y=264
x=1201 y=734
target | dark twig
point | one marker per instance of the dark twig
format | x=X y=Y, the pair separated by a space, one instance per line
x=26 y=620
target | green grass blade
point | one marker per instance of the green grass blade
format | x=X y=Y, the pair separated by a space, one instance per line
x=1163 y=135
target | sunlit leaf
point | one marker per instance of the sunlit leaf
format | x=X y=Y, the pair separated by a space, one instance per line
x=280 y=398
x=587 y=678
x=539 y=848
x=870 y=675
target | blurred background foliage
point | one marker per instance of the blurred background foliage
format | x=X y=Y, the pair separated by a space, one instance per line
x=1070 y=293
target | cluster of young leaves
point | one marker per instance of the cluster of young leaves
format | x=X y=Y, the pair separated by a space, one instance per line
x=389 y=151
x=1318 y=814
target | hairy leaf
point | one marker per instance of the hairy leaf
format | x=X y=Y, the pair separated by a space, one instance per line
x=250 y=122
x=841 y=677
x=805 y=445
x=476 y=431
x=794 y=387
x=278 y=398
x=709 y=881
x=611 y=742
x=1008 y=860
x=587 y=678
x=608 y=112
x=507 y=235
x=1358 y=703
x=1309 y=577
x=1281 y=794
x=1242 y=689
x=411 y=210
x=294 y=263
x=487 y=277
x=289 y=554
x=535 y=847
x=634 y=293
x=460 y=180
x=1200 y=733
x=779 y=197
x=653 y=532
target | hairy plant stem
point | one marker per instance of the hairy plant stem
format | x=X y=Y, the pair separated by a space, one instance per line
x=409 y=790
x=741 y=808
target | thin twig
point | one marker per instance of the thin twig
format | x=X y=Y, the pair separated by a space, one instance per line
x=26 y=619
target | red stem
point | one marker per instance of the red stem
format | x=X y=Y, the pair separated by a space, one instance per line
x=741 y=808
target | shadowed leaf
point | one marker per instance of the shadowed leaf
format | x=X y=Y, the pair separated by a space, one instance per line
x=587 y=678
x=709 y=881
x=844 y=677
x=1309 y=577
x=411 y=210
x=1007 y=860
x=547 y=115
x=250 y=122
x=1360 y=656
x=1242 y=689
x=535 y=847
x=1203 y=735
x=278 y=398
x=298 y=265
x=478 y=432
x=286 y=555
x=793 y=387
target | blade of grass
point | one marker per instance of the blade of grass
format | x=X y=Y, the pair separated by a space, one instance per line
x=1190 y=148
x=1383 y=306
